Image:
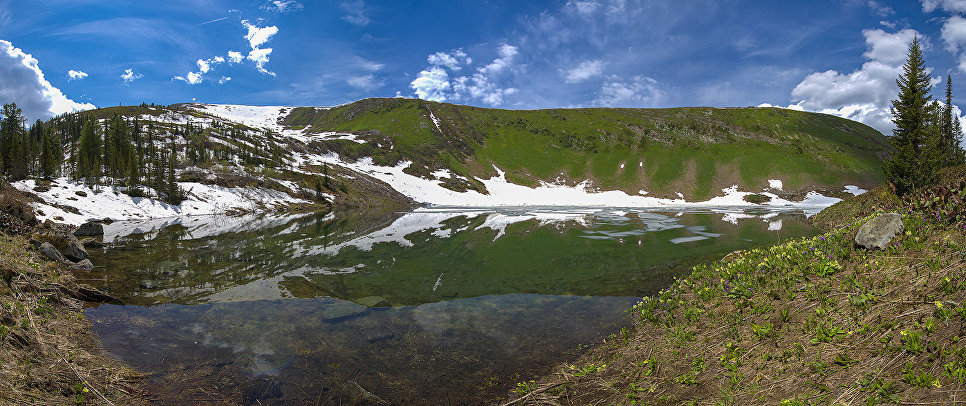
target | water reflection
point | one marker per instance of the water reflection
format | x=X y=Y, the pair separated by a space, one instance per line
x=424 y=256
x=435 y=306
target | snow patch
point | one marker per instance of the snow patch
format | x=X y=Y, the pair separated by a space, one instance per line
x=854 y=190
x=775 y=184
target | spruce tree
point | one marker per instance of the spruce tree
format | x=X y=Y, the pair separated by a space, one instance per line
x=913 y=164
x=89 y=152
x=15 y=145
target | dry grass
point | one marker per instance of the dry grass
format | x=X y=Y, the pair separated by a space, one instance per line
x=813 y=321
x=48 y=354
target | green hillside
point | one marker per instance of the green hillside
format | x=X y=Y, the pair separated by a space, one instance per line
x=695 y=151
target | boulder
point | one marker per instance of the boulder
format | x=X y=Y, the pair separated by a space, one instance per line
x=85 y=265
x=75 y=251
x=878 y=232
x=51 y=252
x=89 y=229
x=64 y=241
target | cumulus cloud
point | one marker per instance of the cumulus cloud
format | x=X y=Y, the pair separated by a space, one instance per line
x=436 y=82
x=954 y=35
x=129 y=76
x=431 y=84
x=637 y=92
x=204 y=66
x=24 y=83
x=256 y=37
x=76 y=75
x=952 y=6
x=235 y=57
x=585 y=70
x=866 y=94
x=451 y=60
x=356 y=12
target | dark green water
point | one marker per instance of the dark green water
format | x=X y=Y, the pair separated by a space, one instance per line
x=429 y=307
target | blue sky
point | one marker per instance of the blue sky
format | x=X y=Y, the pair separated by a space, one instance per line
x=836 y=56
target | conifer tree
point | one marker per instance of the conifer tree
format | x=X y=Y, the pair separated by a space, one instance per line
x=913 y=164
x=14 y=143
x=51 y=155
x=89 y=152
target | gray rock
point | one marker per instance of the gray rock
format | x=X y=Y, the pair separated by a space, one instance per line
x=89 y=229
x=85 y=265
x=75 y=251
x=878 y=232
x=51 y=252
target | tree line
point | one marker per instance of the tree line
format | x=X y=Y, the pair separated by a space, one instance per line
x=127 y=153
x=928 y=135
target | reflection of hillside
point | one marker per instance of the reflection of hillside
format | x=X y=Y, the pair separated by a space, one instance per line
x=431 y=255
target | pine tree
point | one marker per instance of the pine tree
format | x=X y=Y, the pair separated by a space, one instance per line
x=913 y=164
x=14 y=143
x=51 y=155
x=89 y=152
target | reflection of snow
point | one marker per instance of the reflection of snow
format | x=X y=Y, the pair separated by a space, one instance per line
x=775 y=225
x=503 y=193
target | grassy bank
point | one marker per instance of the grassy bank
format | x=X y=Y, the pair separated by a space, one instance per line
x=810 y=321
x=694 y=151
x=48 y=354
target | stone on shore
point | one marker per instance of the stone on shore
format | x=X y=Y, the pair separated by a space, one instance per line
x=879 y=232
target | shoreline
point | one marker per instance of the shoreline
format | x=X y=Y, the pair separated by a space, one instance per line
x=809 y=321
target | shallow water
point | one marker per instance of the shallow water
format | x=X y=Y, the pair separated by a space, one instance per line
x=428 y=307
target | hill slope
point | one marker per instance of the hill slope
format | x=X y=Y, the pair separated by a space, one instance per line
x=392 y=153
x=693 y=151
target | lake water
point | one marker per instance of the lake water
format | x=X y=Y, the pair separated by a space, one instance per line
x=432 y=307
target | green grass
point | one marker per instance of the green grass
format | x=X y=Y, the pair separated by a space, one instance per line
x=696 y=151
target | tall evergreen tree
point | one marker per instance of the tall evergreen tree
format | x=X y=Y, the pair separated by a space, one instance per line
x=14 y=143
x=913 y=164
x=89 y=152
x=51 y=154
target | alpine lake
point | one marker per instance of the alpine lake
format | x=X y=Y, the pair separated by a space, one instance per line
x=436 y=306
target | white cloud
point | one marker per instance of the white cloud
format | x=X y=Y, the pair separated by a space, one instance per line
x=879 y=9
x=356 y=10
x=585 y=70
x=431 y=84
x=235 y=57
x=890 y=48
x=584 y=7
x=954 y=35
x=365 y=82
x=282 y=6
x=639 y=92
x=451 y=60
x=24 y=83
x=76 y=74
x=866 y=94
x=260 y=57
x=130 y=76
x=204 y=66
x=952 y=6
x=258 y=35
x=434 y=83
x=224 y=79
